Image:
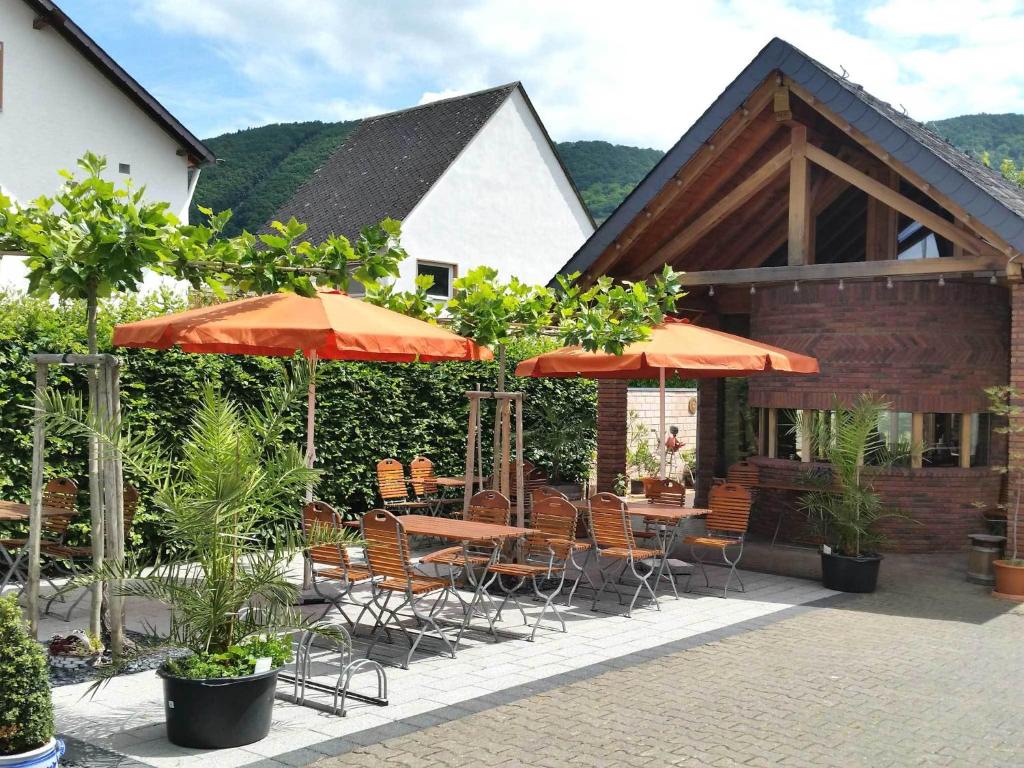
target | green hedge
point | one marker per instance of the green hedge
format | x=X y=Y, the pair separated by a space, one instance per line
x=366 y=411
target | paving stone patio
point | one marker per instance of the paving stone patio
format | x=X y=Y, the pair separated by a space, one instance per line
x=123 y=724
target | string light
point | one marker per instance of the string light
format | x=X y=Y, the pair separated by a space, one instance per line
x=888 y=282
x=942 y=281
x=992 y=279
x=796 y=287
x=753 y=290
x=841 y=286
x=711 y=291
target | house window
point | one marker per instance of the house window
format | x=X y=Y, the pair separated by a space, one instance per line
x=895 y=430
x=981 y=439
x=788 y=433
x=124 y=168
x=443 y=274
x=941 y=439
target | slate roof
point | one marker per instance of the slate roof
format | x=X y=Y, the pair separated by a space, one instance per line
x=981 y=191
x=388 y=163
x=50 y=13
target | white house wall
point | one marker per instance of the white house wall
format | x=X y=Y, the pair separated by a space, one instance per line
x=505 y=202
x=56 y=105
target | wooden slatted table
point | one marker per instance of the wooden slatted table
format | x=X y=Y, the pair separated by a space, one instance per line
x=455 y=482
x=455 y=529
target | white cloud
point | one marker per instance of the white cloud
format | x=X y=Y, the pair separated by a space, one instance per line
x=637 y=73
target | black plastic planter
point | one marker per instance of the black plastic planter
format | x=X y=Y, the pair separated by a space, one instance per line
x=217 y=713
x=850 y=574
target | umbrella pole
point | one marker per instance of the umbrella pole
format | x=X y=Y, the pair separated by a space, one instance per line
x=307 y=568
x=661 y=421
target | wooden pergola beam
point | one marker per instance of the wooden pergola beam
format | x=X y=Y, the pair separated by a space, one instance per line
x=801 y=220
x=712 y=151
x=691 y=233
x=879 y=152
x=851 y=271
x=894 y=199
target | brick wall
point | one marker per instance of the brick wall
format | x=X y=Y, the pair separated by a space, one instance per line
x=922 y=346
x=1016 y=438
x=644 y=402
x=941 y=504
x=708 y=398
x=611 y=432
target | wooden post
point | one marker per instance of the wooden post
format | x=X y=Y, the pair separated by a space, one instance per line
x=506 y=440
x=806 y=444
x=965 y=440
x=880 y=242
x=917 y=440
x=115 y=509
x=35 y=525
x=662 y=449
x=96 y=513
x=773 y=433
x=520 y=484
x=496 y=473
x=801 y=219
x=471 y=438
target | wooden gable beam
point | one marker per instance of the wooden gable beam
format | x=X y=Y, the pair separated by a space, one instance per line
x=692 y=232
x=801 y=221
x=882 y=225
x=893 y=199
x=724 y=137
x=879 y=152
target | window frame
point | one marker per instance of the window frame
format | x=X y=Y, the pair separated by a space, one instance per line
x=453 y=274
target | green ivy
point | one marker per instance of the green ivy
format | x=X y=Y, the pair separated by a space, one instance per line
x=365 y=411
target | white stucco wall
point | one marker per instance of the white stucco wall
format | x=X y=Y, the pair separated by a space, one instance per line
x=56 y=105
x=505 y=202
x=643 y=403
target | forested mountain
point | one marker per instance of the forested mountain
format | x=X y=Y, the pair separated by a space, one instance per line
x=260 y=168
x=1001 y=136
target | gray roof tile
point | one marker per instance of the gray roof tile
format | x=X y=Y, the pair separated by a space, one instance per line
x=388 y=163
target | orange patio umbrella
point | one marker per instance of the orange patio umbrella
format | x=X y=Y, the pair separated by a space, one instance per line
x=330 y=326
x=679 y=347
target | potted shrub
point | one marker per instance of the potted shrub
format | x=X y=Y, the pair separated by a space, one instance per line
x=26 y=709
x=1009 y=572
x=229 y=497
x=844 y=507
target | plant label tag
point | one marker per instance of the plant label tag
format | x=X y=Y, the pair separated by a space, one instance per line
x=826 y=549
x=262 y=665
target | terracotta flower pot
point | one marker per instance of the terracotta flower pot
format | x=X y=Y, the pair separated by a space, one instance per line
x=1009 y=580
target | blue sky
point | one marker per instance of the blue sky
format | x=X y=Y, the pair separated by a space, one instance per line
x=632 y=73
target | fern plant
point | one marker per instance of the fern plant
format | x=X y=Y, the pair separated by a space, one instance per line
x=229 y=498
x=845 y=508
x=26 y=709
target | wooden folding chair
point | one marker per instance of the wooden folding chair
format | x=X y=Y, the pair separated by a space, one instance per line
x=394 y=489
x=728 y=517
x=615 y=542
x=59 y=493
x=581 y=545
x=425 y=488
x=392 y=573
x=544 y=557
x=333 y=575
x=73 y=555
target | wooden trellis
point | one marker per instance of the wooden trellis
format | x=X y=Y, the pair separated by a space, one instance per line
x=106 y=487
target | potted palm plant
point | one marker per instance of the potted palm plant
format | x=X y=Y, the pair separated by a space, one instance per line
x=844 y=507
x=1009 y=572
x=26 y=709
x=229 y=498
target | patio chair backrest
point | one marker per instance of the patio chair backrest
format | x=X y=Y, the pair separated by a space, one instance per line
x=665 y=491
x=546 y=492
x=386 y=545
x=609 y=522
x=729 y=506
x=489 y=507
x=555 y=518
x=391 y=480
x=60 y=493
x=422 y=477
x=743 y=473
x=321 y=519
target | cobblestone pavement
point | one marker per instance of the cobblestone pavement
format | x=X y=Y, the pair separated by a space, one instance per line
x=927 y=671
